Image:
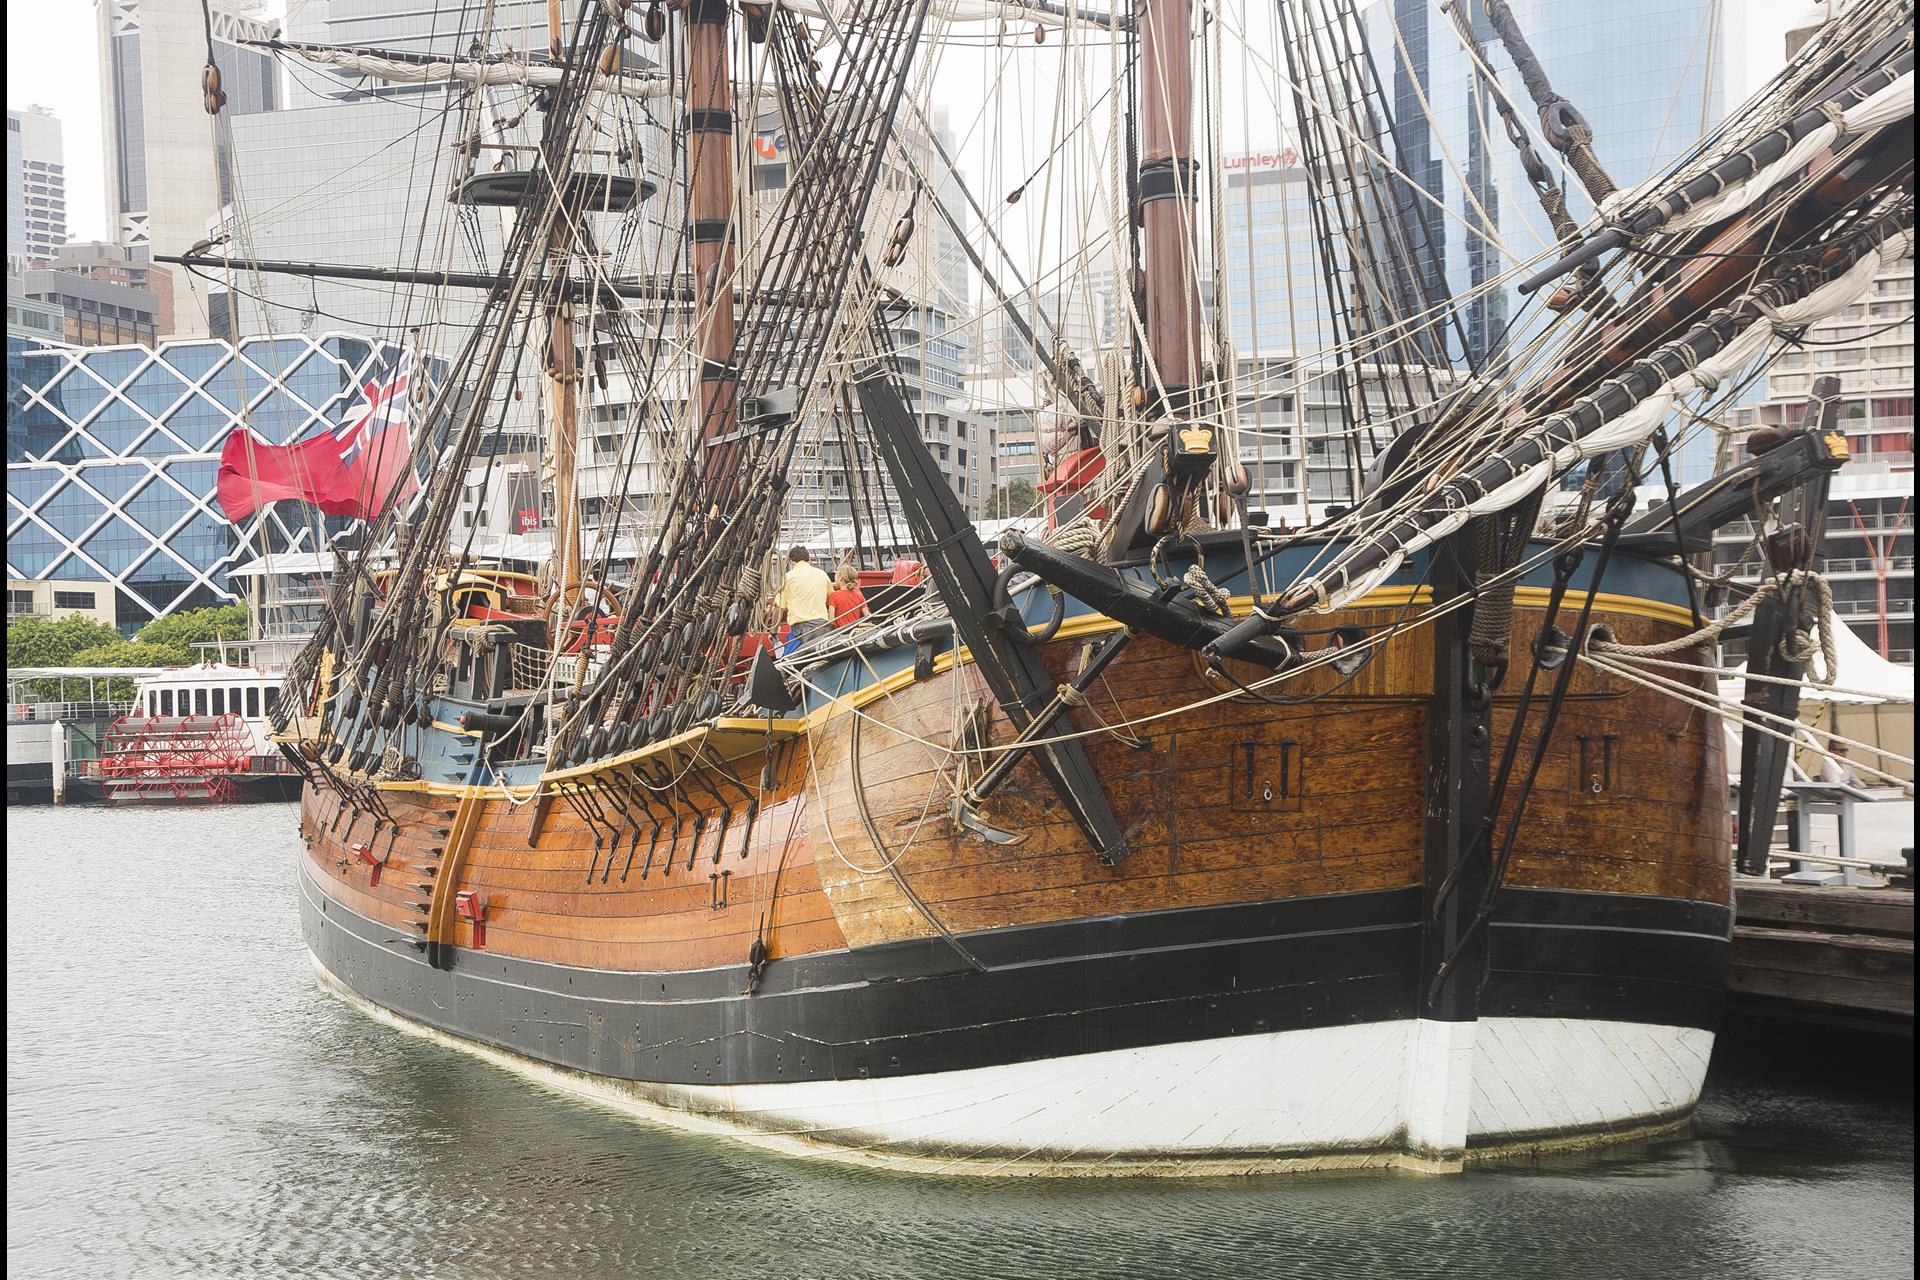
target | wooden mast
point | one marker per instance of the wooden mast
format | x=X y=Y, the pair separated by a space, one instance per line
x=1170 y=247
x=1168 y=196
x=563 y=369
x=710 y=162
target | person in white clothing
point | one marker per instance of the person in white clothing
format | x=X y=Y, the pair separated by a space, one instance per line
x=1835 y=769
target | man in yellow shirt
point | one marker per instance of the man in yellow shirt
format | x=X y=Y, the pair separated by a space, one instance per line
x=802 y=599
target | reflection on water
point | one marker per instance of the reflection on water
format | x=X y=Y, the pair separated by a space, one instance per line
x=183 y=1101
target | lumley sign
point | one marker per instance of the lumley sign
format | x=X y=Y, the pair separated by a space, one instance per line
x=1262 y=161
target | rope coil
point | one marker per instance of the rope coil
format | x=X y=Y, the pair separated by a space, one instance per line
x=1800 y=646
x=1205 y=589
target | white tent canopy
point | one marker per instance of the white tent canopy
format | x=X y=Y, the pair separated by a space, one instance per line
x=1864 y=676
x=1862 y=668
x=1871 y=701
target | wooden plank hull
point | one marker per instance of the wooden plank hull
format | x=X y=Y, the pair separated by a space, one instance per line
x=800 y=943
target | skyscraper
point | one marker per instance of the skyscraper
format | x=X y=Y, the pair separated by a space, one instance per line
x=1647 y=74
x=1277 y=301
x=1866 y=544
x=16 y=196
x=931 y=352
x=1079 y=315
x=164 y=179
x=1866 y=539
x=36 y=185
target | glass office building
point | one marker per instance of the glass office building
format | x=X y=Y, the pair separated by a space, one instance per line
x=1277 y=297
x=1649 y=75
x=112 y=453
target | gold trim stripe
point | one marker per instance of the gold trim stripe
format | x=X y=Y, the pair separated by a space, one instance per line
x=1089 y=624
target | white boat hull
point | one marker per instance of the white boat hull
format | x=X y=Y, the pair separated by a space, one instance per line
x=1410 y=1094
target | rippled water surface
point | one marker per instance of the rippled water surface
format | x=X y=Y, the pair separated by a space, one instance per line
x=182 y=1100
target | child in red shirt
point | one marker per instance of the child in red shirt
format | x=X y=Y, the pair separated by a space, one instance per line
x=845 y=603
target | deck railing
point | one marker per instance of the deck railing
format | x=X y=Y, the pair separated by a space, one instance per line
x=48 y=712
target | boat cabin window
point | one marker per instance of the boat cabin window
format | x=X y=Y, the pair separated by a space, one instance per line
x=219 y=702
x=253 y=702
x=199 y=702
x=233 y=700
x=166 y=701
x=273 y=697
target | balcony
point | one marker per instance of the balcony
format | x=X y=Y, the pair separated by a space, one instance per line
x=1897 y=607
x=1838 y=528
x=1864 y=564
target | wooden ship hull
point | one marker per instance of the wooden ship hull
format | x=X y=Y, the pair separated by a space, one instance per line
x=795 y=941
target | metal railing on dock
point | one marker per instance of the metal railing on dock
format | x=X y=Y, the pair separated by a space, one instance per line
x=48 y=712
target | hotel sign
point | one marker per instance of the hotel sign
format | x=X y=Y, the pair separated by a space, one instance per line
x=1262 y=161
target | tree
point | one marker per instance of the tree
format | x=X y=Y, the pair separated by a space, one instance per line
x=197 y=626
x=38 y=642
x=1016 y=497
x=133 y=653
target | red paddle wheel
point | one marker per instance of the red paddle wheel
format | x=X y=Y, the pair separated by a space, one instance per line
x=174 y=759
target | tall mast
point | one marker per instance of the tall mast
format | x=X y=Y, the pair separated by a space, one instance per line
x=710 y=161
x=563 y=368
x=1170 y=247
x=1168 y=195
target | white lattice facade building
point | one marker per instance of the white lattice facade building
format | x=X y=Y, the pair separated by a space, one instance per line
x=112 y=454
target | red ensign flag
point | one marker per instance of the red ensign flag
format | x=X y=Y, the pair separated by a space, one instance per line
x=359 y=469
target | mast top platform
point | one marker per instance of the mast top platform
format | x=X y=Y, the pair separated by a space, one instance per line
x=584 y=192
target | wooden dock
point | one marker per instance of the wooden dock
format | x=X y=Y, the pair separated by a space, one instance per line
x=1823 y=954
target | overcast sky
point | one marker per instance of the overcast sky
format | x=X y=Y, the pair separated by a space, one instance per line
x=52 y=60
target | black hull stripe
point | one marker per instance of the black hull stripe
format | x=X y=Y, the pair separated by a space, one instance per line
x=1048 y=991
x=1614 y=911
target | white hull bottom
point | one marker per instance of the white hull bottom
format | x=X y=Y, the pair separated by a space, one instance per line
x=1411 y=1094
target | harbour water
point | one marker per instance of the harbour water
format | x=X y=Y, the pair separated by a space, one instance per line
x=183 y=1101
